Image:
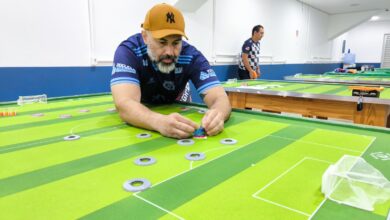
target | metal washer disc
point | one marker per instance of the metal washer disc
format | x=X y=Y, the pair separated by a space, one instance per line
x=145 y=161
x=201 y=111
x=65 y=116
x=228 y=141
x=37 y=114
x=143 y=135
x=72 y=137
x=128 y=185
x=195 y=156
x=111 y=110
x=185 y=142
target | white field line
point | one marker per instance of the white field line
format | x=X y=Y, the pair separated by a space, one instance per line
x=280 y=176
x=157 y=206
x=323 y=201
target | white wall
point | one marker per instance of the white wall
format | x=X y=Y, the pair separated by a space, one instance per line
x=199 y=26
x=116 y=20
x=56 y=33
x=44 y=33
x=294 y=32
x=366 y=40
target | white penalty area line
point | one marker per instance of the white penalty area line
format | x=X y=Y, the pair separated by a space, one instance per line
x=322 y=145
x=323 y=201
x=255 y=195
x=159 y=207
x=282 y=206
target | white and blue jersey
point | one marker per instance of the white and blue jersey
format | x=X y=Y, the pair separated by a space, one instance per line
x=253 y=50
x=133 y=65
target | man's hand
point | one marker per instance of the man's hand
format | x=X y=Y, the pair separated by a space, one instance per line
x=253 y=74
x=213 y=122
x=175 y=125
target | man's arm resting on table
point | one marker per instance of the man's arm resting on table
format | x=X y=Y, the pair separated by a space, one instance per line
x=127 y=100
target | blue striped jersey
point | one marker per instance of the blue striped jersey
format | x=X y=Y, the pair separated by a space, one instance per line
x=133 y=65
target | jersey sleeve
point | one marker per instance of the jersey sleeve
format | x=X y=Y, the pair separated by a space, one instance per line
x=203 y=76
x=125 y=67
x=246 y=47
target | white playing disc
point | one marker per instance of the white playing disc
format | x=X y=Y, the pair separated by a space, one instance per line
x=145 y=161
x=65 y=116
x=185 y=142
x=111 y=110
x=195 y=156
x=228 y=141
x=72 y=137
x=143 y=135
x=37 y=114
x=201 y=111
x=136 y=185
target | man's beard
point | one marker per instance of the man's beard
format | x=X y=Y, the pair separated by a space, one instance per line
x=161 y=66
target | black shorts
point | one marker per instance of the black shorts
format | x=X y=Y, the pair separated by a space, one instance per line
x=243 y=74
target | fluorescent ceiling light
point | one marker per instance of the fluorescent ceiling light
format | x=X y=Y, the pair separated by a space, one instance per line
x=374 y=18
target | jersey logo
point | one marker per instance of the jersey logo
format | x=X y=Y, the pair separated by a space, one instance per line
x=170 y=17
x=169 y=85
x=206 y=75
x=178 y=70
x=246 y=48
x=145 y=62
x=120 y=67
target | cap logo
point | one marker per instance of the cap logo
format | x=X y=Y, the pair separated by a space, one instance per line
x=170 y=17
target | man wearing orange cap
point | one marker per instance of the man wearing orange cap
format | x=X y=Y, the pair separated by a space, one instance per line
x=248 y=67
x=154 y=67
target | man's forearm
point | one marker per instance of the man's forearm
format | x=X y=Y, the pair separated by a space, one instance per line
x=223 y=106
x=138 y=115
x=245 y=60
x=247 y=66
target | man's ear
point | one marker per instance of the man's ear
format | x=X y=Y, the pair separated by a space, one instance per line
x=145 y=36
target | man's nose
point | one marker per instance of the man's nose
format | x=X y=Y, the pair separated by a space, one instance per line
x=169 y=50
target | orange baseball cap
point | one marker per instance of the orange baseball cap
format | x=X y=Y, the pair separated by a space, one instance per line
x=163 y=20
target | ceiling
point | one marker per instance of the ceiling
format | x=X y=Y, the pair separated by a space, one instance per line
x=348 y=6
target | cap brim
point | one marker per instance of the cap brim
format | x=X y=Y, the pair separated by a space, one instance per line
x=166 y=32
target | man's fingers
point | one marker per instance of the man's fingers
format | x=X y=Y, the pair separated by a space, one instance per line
x=205 y=120
x=208 y=119
x=216 y=129
x=186 y=121
x=184 y=127
x=211 y=124
x=179 y=134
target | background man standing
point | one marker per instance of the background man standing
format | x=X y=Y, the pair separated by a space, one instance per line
x=248 y=67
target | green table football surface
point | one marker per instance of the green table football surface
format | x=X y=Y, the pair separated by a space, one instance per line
x=274 y=170
x=369 y=77
x=383 y=69
x=338 y=89
x=374 y=74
